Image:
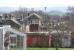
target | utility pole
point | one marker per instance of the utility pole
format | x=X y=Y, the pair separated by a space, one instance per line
x=46 y=22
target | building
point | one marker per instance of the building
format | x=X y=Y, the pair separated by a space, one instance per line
x=37 y=34
x=62 y=38
x=15 y=26
x=36 y=30
x=72 y=39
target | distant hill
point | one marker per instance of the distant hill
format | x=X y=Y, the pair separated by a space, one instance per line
x=54 y=12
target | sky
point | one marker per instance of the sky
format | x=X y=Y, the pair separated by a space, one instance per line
x=36 y=3
x=51 y=4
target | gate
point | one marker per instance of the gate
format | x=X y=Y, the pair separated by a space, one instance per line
x=11 y=39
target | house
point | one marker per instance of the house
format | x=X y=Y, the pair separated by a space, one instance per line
x=14 y=25
x=37 y=34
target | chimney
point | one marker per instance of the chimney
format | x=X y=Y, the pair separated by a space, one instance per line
x=28 y=14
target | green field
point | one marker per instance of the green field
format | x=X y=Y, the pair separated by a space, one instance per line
x=49 y=48
x=43 y=49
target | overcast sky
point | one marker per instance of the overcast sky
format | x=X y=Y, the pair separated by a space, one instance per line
x=60 y=5
x=36 y=3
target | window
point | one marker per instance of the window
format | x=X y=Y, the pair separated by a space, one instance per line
x=66 y=37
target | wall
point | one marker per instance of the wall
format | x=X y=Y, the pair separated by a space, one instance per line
x=38 y=41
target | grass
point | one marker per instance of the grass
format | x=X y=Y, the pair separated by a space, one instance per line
x=43 y=49
x=37 y=48
x=66 y=48
x=50 y=49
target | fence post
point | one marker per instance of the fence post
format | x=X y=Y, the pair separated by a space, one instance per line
x=25 y=42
